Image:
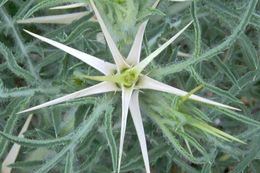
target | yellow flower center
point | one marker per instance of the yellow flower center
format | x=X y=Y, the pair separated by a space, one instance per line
x=126 y=78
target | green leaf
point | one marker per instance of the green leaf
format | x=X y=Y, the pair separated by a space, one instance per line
x=11 y=110
x=25 y=91
x=239 y=117
x=36 y=143
x=197 y=30
x=250 y=51
x=12 y=64
x=225 y=69
x=110 y=137
x=194 y=142
x=52 y=162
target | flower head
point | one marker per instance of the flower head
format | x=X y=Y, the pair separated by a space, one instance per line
x=125 y=76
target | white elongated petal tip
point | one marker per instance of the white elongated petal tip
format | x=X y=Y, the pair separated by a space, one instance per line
x=135 y=52
x=118 y=58
x=149 y=83
x=69 y=6
x=137 y=119
x=102 y=87
x=139 y=67
x=55 y=19
x=126 y=97
x=100 y=65
x=13 y=153
x=134 y=55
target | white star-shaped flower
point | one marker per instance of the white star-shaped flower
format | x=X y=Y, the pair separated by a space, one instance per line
x=125 y=76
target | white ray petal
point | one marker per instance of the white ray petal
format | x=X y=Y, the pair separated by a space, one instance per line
x=102 y=87
x=139 y=67
x=137 y=119
x=149 y=83
x=100 y=65
x=134 y=55
x=69 y=6
x=14 y=151
x=55 y=19
x=126 y=96
x=118 y=58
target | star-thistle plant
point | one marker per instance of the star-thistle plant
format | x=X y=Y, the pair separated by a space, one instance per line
x=126 y=76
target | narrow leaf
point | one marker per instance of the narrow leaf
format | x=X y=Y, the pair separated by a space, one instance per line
x=25 y=91
x=213 y=131
x=225 y=69
x=251 y=54
x=12 y=64
x=194 y=142
x=36 y=143
x=239 y=117
x=110 y=137
x=52 y=162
